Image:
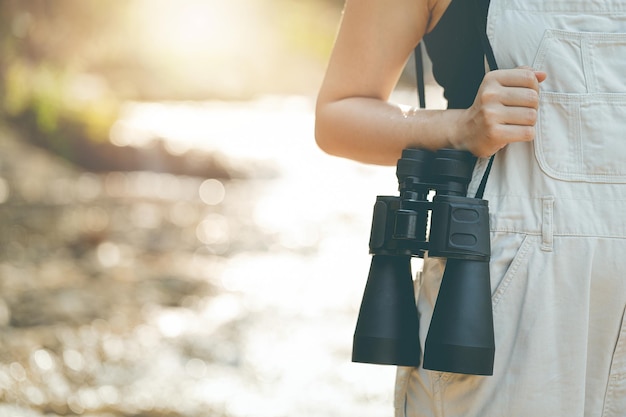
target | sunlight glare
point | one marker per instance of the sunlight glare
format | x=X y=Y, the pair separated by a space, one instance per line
x=182 y=29
x=172 y=323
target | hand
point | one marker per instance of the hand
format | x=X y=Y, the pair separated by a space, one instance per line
x=504 y=111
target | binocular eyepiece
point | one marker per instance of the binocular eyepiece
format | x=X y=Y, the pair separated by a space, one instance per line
x=448 y=225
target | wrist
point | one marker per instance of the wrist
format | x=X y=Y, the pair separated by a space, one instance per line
x=458 y=129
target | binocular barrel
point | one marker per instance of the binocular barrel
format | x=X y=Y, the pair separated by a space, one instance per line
x=460 y=337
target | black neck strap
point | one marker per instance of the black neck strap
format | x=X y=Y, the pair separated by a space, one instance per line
x=419 y=72
x=481 y=22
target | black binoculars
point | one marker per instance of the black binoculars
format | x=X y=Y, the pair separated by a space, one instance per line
x=431 y=215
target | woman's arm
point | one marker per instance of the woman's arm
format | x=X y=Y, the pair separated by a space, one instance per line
x=354 y=118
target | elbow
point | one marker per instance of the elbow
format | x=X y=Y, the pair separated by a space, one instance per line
x=324 y=137
x=330 y=134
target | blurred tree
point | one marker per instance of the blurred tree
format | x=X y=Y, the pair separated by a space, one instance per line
x=47 y=52
x=66 y=66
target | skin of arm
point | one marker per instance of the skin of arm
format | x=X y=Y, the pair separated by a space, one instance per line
x=354 y=118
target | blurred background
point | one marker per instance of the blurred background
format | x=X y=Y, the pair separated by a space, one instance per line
x=173 y=243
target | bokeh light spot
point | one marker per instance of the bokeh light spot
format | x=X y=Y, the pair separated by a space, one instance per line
x=17 y=371
x=43 y=360
x=212 y=192
x=35 y=395
x=172 y=323
x=196 y=368
x=74 y=359
x=213 y=230
x=109 y=254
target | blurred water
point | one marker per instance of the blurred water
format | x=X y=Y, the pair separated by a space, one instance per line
x=128 y=294
x=303 y=292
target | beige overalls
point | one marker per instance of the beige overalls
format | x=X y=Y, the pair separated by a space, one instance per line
x=558 y=229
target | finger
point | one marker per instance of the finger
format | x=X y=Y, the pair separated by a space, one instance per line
x=515 y=133
x=500 y=136
x=541 y=75
x=520 y=97
x=519 y=116
x=518 y=77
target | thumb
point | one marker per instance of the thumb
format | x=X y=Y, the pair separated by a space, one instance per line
x=541 y=75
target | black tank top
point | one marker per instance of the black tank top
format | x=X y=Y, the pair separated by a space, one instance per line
x=455 y=49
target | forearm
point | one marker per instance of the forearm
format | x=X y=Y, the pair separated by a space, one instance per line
x=373 y=131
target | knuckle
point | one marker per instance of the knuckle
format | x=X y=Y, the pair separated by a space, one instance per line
x=491 y=76
x=493 y=134
x=528 y=133
x=490 y=115
x=532 y=97
x=531 y=116
x=528 y=77
x=489 y=95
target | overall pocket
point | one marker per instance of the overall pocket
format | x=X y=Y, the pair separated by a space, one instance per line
x=615 y=401
x=581 y=137
x=509 y=254
x=580 y=129
x=508 y=265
